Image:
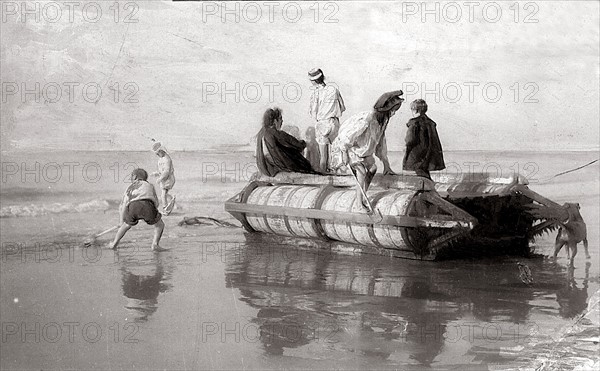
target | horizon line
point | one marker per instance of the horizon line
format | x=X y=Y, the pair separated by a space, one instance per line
x=24 y=150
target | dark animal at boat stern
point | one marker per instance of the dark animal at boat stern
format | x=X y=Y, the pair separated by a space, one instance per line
x=571 y=233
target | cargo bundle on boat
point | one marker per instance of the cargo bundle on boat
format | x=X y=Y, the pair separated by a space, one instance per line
x=453 y=216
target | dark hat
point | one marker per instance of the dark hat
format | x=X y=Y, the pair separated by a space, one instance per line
x=140 y=174
x=388 y=101
x=315 y=74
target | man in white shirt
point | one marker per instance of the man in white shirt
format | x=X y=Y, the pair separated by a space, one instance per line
x=362 y=136
x=326 y=108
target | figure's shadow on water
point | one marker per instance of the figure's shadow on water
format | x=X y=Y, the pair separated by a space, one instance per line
x=572 y=299
x=377 y=306
x=144 y=276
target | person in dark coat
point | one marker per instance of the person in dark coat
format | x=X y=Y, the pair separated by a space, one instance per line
x=277 y=150
x=423 y=147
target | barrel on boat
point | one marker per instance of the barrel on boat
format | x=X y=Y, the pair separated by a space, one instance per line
x=287 y=196
x=330 y=213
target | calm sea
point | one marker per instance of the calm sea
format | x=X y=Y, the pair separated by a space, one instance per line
x=219 y=299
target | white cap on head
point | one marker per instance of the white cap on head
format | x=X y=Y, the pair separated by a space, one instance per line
x=315 y=74
x=157 y=146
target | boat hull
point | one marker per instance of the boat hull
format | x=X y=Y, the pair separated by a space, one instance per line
x=458 y=215
x=409 y=220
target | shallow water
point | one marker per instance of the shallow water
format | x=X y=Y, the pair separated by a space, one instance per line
x=217 y=299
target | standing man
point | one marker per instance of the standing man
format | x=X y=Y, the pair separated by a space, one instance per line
x=326 y=108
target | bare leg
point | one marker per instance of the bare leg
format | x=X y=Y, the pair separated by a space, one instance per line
x=120 y=233
x=158 y=231
x=361 y=175
x=369 y=177
x=585 y=246
x=323 y=157
x=163 y=196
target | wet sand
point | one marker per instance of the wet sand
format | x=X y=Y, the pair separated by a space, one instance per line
x=215 y=301
x=218 y=300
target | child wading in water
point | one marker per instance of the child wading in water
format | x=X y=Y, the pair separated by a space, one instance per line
x=166 y=177
x=139 y=203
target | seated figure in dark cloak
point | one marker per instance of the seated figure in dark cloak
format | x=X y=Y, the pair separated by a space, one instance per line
x=277 y=150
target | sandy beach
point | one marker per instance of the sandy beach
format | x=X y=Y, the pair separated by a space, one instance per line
x=69 y=307
x=89 y=87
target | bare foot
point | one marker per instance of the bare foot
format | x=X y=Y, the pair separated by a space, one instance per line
x=157 y=248
x=112 y=246
x=361 y=207
x=168 y=207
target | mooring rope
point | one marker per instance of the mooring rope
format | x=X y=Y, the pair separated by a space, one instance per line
x=568 y=171
x=205 y=220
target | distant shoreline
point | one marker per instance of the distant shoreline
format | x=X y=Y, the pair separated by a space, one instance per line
x=250 y=150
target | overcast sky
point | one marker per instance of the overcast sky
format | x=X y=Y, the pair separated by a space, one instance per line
x=495 y=75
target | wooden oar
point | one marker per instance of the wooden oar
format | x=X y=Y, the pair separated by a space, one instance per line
x=364 y=194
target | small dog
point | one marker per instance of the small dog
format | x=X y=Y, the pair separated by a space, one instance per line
x=571 y=233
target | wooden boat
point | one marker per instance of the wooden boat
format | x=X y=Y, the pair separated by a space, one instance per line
x=453 y=216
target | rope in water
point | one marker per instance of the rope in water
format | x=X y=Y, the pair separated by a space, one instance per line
x=200 y=220
x=569 y=171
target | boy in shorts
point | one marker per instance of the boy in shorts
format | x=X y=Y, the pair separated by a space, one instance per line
x=139 y=203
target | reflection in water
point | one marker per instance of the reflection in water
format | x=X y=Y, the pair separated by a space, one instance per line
x=571 y=299
x=144 y=277
x=388 y=309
